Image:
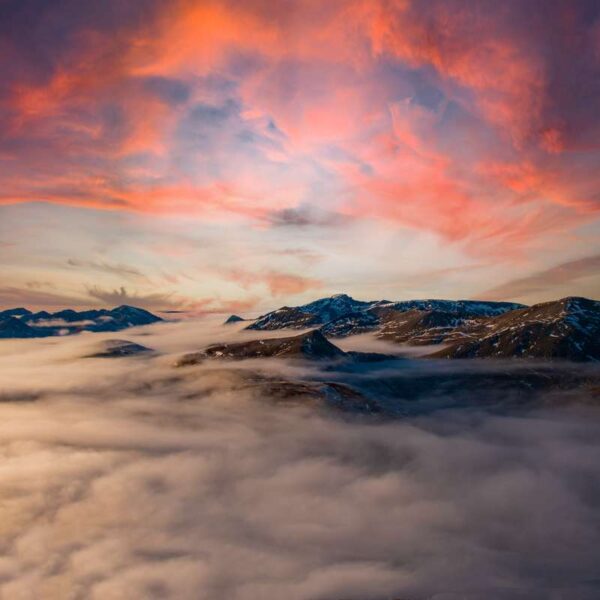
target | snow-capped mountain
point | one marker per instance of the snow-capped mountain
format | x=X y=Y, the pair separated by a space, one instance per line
x=564 y=329
x=285 y=318
x=341 y=315
x=567 y=328
x=336 y=306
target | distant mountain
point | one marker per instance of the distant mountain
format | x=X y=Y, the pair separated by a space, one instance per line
x=132 y=316
x=327 y=309
x=566 y=329
x=25 y=324
x=118 y=349
x=11 y=327
x=233 y=319
x=341 y=315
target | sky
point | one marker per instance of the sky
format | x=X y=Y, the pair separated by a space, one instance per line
x=223 y=156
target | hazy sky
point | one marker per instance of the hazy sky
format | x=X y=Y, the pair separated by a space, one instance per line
x=234 y=156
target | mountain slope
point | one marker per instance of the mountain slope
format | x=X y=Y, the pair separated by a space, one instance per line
x=11 y=327
x=351 y=324
x=465 y=308
x=285 y=318
x=314 y=313
x=311 y=346
x=419 y=327
x=341 y=315
x=564 y=329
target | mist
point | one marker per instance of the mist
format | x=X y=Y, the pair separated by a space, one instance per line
x=128 y=478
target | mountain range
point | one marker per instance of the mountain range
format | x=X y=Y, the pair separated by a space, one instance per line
x=23 y=323
x=566 y=329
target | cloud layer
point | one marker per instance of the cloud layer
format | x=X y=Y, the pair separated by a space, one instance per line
x=121 y=481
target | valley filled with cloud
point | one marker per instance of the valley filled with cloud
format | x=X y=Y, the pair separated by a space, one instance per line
x=132 y=478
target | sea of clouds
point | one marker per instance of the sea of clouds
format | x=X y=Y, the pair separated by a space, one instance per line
x=130 y=479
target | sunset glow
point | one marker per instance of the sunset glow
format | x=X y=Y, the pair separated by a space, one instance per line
x=217 y=155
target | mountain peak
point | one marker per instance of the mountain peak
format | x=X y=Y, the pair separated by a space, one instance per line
x=128 y=308
x=233 y=319
x=341 y=314
x=312 y=345
x=15 y=312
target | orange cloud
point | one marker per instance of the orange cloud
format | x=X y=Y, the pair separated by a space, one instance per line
x=472 y=47
x=278 y=283
x=329 y=108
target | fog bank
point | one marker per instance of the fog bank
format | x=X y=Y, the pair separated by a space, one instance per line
x=127 y=478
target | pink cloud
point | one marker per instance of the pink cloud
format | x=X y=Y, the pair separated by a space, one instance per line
x=277 y=282
x=324 y=98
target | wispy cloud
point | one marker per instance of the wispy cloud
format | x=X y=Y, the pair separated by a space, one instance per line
x=308 y=119
x=126 y=271
x=153 y=301
x=35 y=296
x=546 y=280
x=277 y=283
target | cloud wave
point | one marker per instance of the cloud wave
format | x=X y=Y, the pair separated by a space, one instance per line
x=125 y=478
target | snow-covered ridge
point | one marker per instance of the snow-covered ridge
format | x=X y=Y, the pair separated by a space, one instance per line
x=568 y=328
x=367 y=314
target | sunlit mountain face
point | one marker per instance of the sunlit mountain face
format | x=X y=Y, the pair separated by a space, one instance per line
x=228 y=156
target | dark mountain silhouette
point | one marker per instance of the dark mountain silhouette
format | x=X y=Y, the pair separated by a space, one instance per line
x=118 y=349
x=14 y=312
x=11 y=327
x=233 y=319
x=26 y=324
